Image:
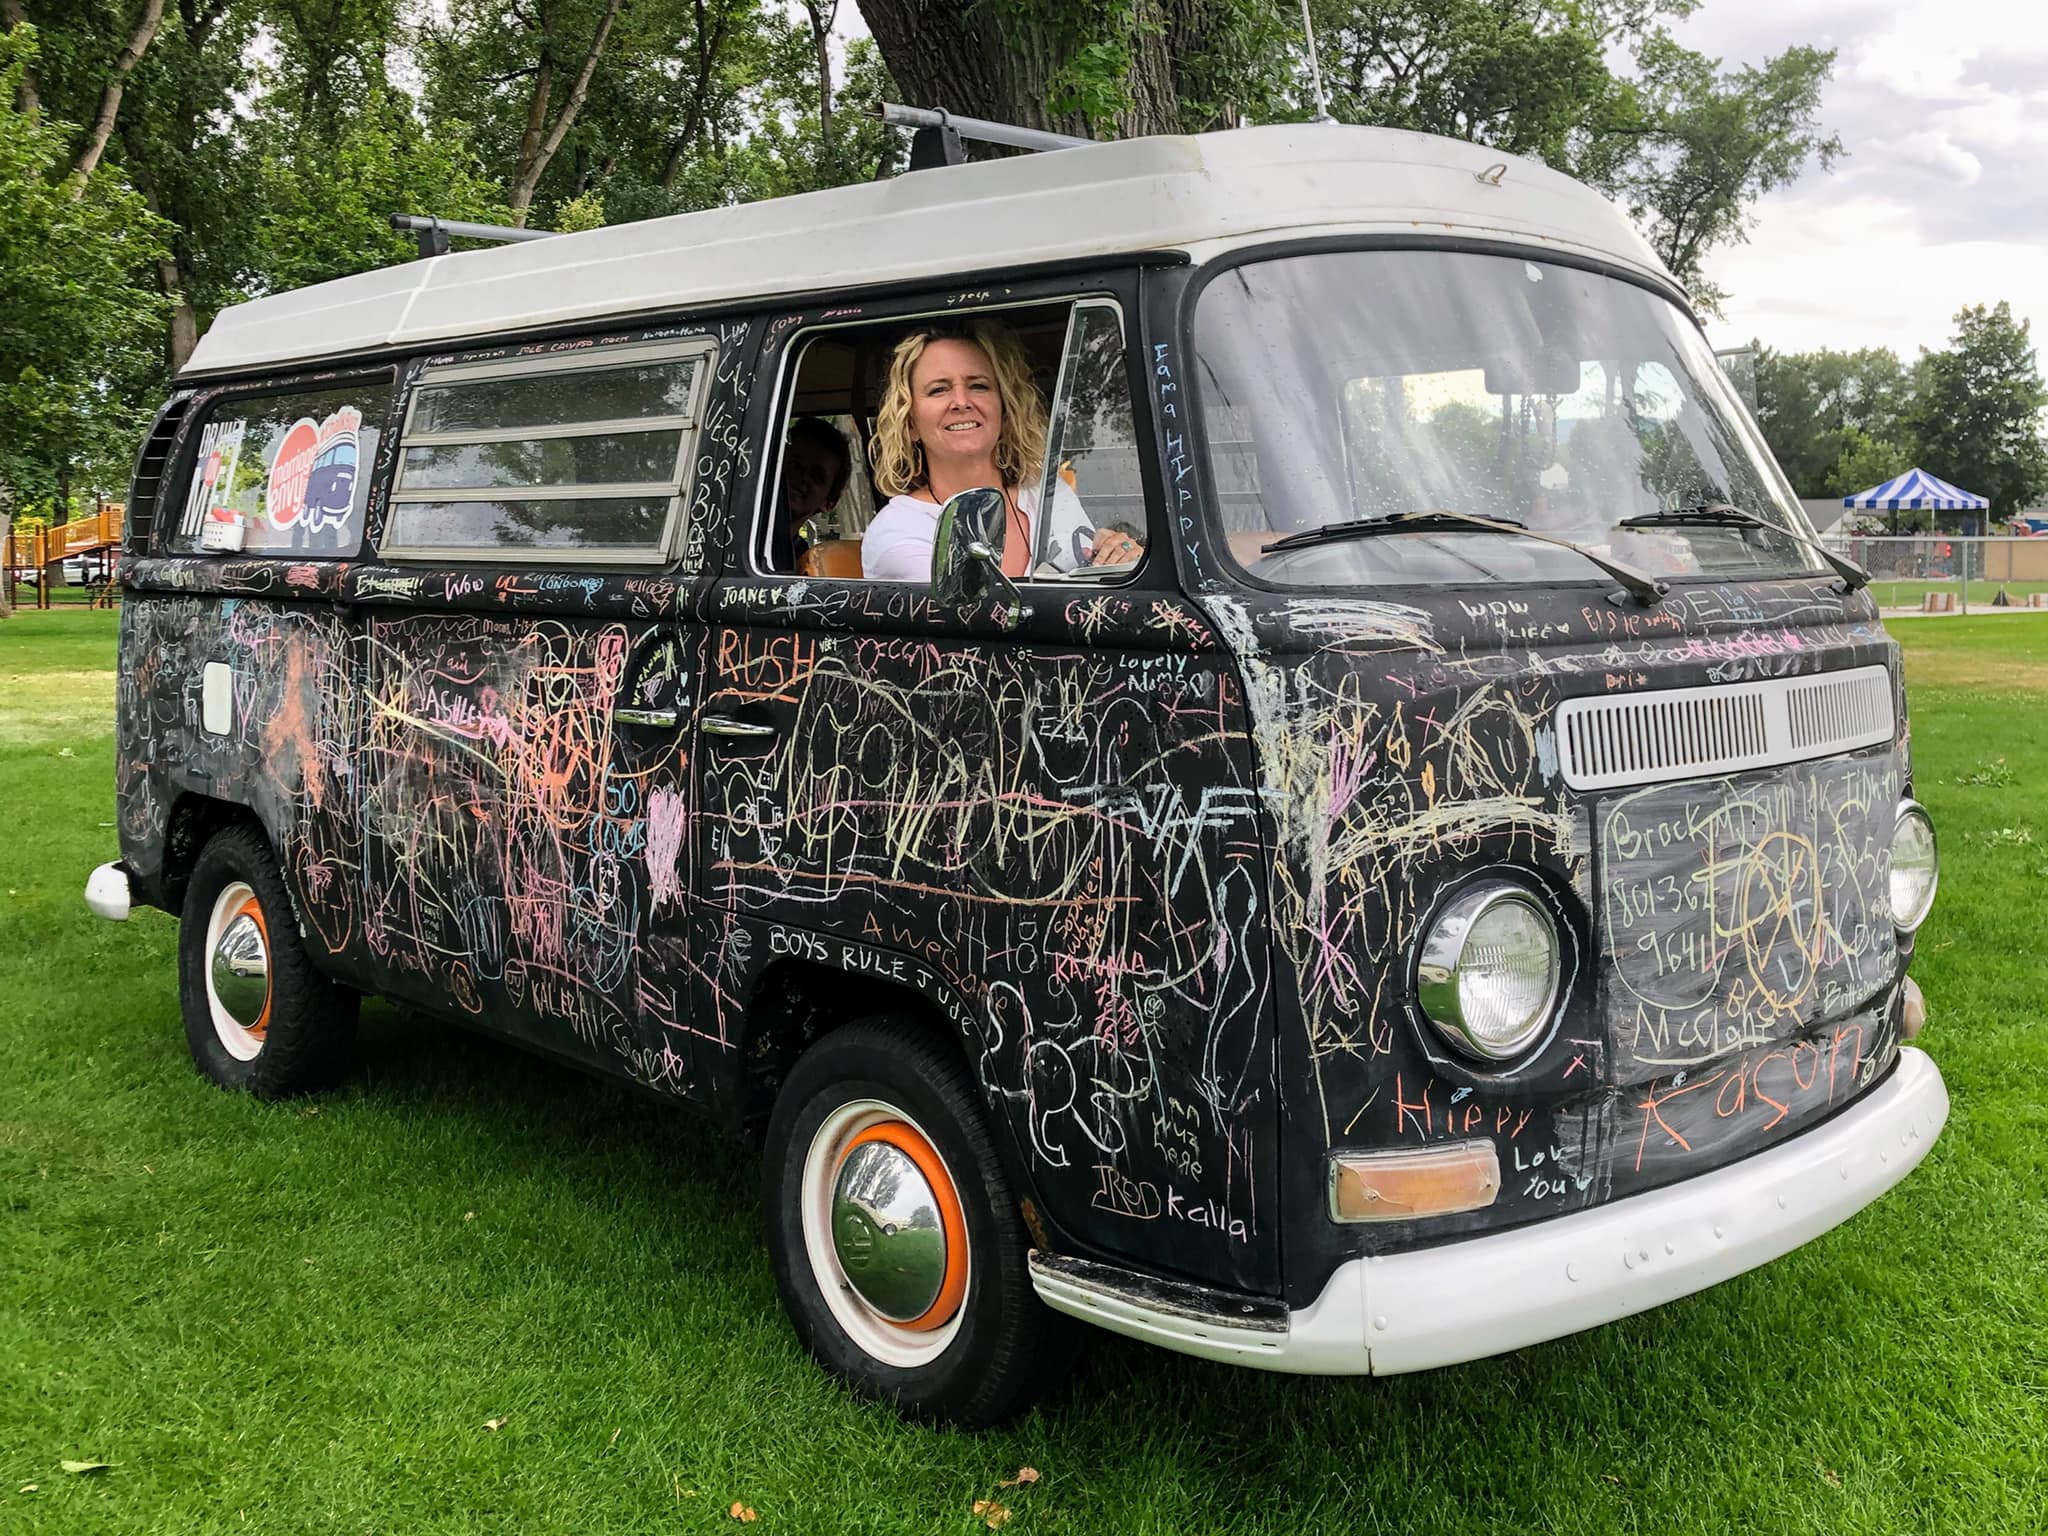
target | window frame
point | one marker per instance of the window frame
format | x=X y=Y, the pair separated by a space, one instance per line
x=791 y=349
x=687 y=423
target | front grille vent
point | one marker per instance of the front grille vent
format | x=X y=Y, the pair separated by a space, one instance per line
x=146 y=488
x=1683 y=733
x=1826 y=710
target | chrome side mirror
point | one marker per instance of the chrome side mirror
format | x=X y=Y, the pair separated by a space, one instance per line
x=967 y=551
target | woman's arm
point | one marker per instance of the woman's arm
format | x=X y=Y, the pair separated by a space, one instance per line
x=898 y=543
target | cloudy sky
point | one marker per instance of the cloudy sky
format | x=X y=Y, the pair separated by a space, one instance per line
x=1942 y=199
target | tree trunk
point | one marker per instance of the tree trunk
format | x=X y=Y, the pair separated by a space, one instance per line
x=821 y=18
x=6 y=568
x=710 y=43
x=183 y=334
x=1155 y=102
x=26 y=97
x=534 y=157
x=110 y=97
x=960 y=59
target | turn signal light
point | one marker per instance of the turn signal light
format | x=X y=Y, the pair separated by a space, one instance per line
x=1416 y=1181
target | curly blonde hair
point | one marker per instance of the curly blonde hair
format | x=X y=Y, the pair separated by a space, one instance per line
x=895 y=452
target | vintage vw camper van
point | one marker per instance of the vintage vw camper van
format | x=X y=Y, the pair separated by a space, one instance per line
x=1452 y=888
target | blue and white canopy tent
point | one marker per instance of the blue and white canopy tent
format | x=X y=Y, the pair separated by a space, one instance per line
x=1915 y=491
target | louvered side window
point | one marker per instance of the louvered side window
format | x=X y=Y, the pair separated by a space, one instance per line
x=146 y=488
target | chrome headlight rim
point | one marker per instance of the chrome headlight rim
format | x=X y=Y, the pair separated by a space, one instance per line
x=1911 y=808
x=1435 y=988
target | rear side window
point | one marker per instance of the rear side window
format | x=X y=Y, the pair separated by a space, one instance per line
x=585 y=457
x=285 y=473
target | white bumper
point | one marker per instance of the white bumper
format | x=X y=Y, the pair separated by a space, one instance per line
x=106 y=892
x=1483 y=1296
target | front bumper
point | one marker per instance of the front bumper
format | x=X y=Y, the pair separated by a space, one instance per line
x=1484 y=1296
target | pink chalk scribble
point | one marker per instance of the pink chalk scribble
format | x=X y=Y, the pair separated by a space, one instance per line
x=665 y=814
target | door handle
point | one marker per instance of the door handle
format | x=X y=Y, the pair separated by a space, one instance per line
x=667 y=717
x=726 y=725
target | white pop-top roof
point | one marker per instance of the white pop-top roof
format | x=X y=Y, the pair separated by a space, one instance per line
x=1200 y=194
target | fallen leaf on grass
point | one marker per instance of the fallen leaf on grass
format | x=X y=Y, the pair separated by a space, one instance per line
x=28 y=1487
x=615 y=1437
x=1831 y=1477
x=741 y=1513
x=1609 y=1477
x=995 y=1516
x=494 y=1425
x=1024 y=1477
x=81 y=1468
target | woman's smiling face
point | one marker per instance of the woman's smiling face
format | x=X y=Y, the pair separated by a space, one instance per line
x=956 y=412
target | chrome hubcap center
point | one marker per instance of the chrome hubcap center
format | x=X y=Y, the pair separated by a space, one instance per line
x=887 y=1233
x=241 y=971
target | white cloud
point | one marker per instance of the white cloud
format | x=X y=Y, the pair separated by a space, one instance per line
x=1943 y=199
x=1938 y=152
x=1861 y=273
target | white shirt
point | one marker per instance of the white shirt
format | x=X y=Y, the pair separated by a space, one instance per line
x=898 y=543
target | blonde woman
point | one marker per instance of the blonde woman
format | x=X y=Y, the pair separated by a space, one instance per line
x=960 y=412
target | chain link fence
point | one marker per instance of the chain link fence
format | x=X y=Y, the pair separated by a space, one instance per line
x=1940 y=573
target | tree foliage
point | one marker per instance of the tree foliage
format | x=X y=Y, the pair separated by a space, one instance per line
x=1814 y=405
x=74 y=325
x=1975 y=416
x=1842 y=422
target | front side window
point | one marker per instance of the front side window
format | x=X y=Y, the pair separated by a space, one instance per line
x=1091 y=449
x=285 y=474
x=1353 y=386
x=583 y=457
x=884 y=420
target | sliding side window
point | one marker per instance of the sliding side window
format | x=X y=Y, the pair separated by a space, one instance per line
x=585 y=457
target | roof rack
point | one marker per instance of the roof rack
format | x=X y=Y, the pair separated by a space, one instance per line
x=434 y=233
x=938 y=140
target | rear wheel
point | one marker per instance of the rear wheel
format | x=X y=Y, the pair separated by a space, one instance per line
x=257 y=1014
x=897 y=1245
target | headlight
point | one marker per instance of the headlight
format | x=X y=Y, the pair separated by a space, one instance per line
x=1489 y=970
x=1914 y=867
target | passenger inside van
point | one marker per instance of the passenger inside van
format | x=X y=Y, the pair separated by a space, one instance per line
x=816 y=464
x=959 y=411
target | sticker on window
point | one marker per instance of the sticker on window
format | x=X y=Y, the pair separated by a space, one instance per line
x=220 y=452
x=313 y=478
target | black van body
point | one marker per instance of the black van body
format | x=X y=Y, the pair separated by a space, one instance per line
x=1155 y=859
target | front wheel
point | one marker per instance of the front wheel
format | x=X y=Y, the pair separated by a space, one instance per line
x=897 y=1245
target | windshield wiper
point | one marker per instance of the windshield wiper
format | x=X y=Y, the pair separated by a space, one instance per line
x=1719 y=514
x=1645 y=589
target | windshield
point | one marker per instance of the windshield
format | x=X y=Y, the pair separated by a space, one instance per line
x=1362 y=384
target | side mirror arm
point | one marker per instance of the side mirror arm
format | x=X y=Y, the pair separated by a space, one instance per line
x=1018 y=610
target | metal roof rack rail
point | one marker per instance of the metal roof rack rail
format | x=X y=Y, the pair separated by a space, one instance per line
x=939 y=135
x=434 y=233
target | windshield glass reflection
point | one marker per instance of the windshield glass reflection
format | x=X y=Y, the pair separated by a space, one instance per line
x=1362 y=384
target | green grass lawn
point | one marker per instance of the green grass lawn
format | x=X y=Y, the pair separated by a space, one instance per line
x=302 y=1317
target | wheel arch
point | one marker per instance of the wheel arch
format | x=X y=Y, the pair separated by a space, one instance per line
x=797 y=1001
x=194 y=821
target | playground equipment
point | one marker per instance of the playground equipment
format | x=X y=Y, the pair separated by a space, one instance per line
x=38 y=556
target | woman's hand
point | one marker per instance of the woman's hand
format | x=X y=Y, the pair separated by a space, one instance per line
x=1114 y=546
